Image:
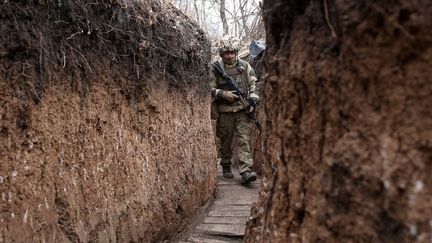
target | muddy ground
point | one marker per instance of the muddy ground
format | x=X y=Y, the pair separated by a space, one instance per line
x=348 y=142
x=105 y=127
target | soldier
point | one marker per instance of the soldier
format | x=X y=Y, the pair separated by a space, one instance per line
x=232 y=119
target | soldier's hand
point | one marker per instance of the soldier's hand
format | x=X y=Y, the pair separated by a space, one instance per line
x=229 y=95
x=252 y=105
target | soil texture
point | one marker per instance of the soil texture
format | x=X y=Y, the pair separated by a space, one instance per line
x=105 y=132
x=348 y=131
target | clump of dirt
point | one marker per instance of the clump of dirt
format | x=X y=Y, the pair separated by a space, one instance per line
x=348 y=140
x=105 y=130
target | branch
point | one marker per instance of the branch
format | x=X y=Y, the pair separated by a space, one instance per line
x=326 y=13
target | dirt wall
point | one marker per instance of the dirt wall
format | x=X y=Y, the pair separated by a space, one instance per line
x=257 y=137
x=348 y=140
x=105 y=130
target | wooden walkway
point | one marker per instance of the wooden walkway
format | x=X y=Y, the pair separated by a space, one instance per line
x=226 y=219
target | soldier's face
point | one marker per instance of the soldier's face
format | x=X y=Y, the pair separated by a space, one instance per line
x=229 y=57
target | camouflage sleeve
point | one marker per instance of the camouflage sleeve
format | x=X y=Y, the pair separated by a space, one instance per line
x=215 y=92
x=253 y=93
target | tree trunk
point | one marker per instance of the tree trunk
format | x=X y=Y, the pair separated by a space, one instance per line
x=196 y=12
x=223 y=17
x=235 y=20
x=244 y=16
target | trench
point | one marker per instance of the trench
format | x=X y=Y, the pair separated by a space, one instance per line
x=106 y=136
x=105 y=124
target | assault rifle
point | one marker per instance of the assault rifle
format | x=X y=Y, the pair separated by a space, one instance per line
x=248 y=103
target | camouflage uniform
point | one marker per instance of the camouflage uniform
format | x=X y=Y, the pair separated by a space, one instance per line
x=232 y=118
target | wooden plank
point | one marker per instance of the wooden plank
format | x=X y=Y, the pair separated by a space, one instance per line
x=222 y=229
x=202 y=239
x=238 y=201
x=228 y=182
x=231 y=208
x=224 y=213
x=225 y=220
x=245 y=197
x=251 y=189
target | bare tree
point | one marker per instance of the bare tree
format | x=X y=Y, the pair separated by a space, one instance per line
x=203 y=16
x=196 y=11
x=244 y=17
x=240 y=18
x=223 y=17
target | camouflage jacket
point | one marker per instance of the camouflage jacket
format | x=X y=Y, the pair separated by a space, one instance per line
x=244 y=75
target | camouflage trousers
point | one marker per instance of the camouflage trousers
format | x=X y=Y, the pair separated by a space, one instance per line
x=237 y=124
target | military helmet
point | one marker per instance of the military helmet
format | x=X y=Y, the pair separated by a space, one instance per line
x=228 y=43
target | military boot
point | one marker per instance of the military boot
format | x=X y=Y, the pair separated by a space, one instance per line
x=247 y=177
x=227 y=173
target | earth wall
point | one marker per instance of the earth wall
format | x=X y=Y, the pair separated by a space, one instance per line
x=348 y=132
x=105 y=130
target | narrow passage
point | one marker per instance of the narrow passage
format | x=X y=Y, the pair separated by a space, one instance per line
x=226 y=219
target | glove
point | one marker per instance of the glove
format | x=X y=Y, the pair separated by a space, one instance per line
x=229 y=96
x=252 y=102
x=252 y=105
x=254 y=97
